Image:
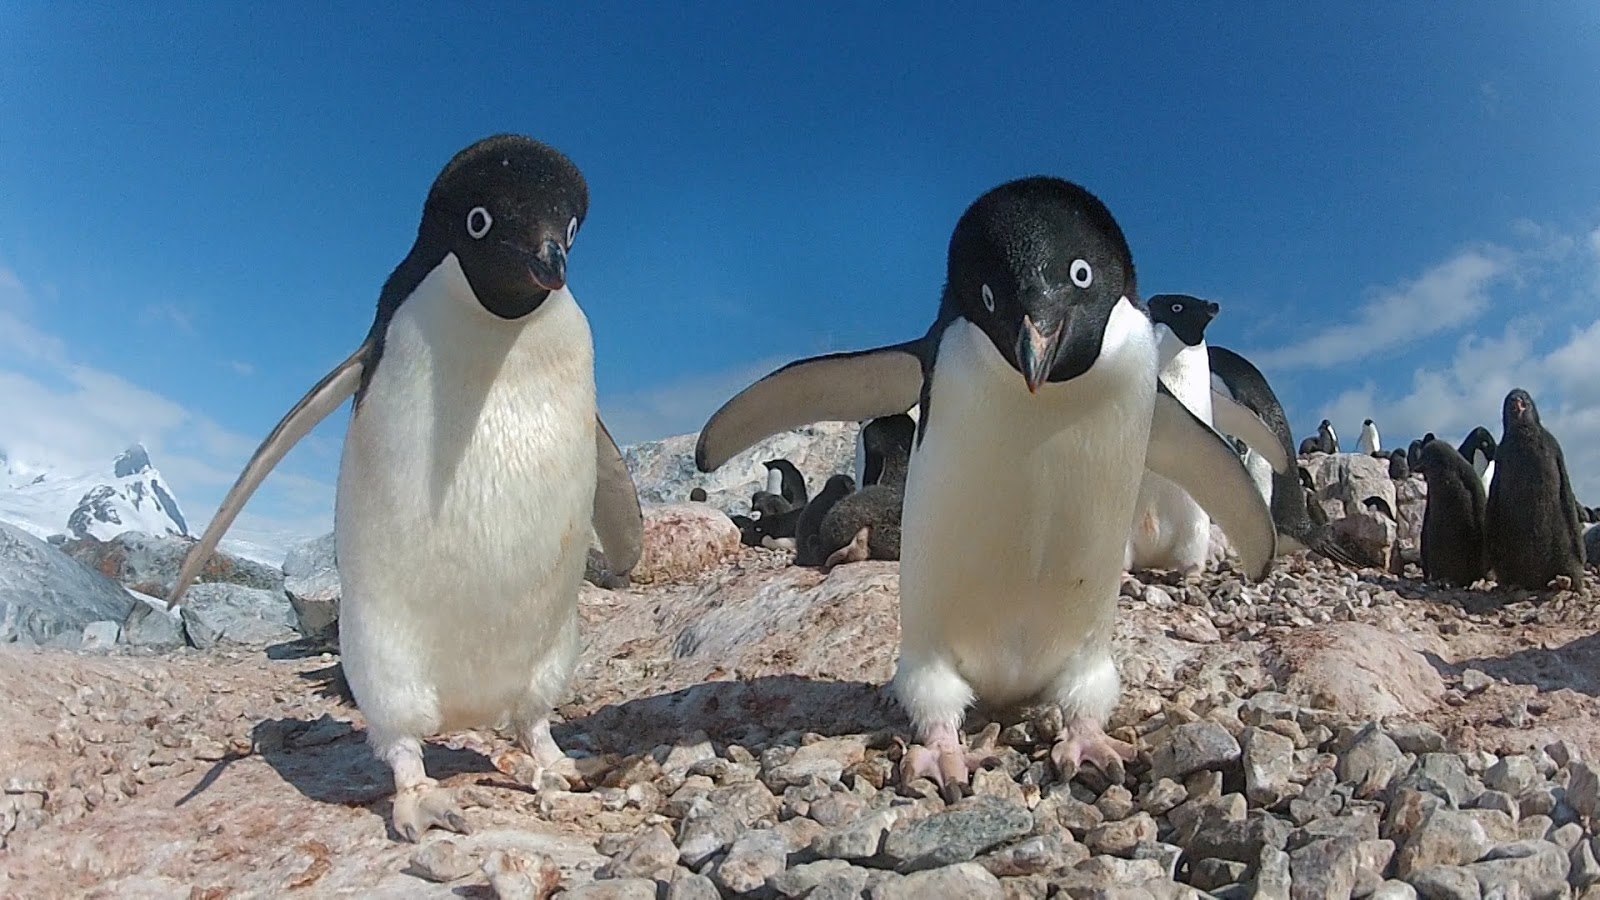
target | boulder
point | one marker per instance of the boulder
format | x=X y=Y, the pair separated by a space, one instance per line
x=150 y=564
x=1350 y=479
x=311 y=579
x=1363 y=671
x=682 y=540
x=230 y=614
x=44 y=593
x=664 y=470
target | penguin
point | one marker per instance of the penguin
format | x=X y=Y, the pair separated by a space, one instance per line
x=807 y=552
x=791 y=484
x=1532 y=532
x=1369 y=443
x=1260 y=470
x=767 y=505
x=1306 y=481
x=864 y=525
x=886 y=442
x=1041 y=406
x=1591 y=545
x=1297 y=530
x=780 y=524
x=1399 y=468
x=697 y=495
x=1170 y=530
x=1378 y=505
x=749 y=535
x=1310 y=445
x=1453 y=519
x=1478 y=448
x=1327 y=439
x=861 y=445
x=473 y=466
x=1414 y=455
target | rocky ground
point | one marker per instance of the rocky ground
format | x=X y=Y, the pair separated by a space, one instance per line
x=1324 y=733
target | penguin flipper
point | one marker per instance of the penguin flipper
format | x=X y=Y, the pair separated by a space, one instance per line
x=1232 y=417
x=843 y=387
x=618 y=520
x=334 y=388
x=1192 y=454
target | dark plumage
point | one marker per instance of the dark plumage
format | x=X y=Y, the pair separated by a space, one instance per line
x=887 y=440
x=767 y=504
x=1533 y=531
x=1414 y=454
x=1399 y=465
x=1309 y=446
x=807 y=551
x=794 y=483
x=875 y=508
x=1452 y=523
x=748 y=535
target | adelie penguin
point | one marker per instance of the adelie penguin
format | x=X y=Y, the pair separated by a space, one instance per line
x=1479 y=449
x=1399 y=468
x=1452 y=522
x=473 y=466
x=791 y=483
x=1170 y=530
x=1299 y=524
x=1327 y=438
x=1533 y=530
x=1369 y=442
x=807 y=550
x=1040 y=410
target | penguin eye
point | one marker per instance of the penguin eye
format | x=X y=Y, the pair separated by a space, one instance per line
x=572 y=231
x=1082 y=275
x=988 y=298
x=479 y=222
x=1177 y=307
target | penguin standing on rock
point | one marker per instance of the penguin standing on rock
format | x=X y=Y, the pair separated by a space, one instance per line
x=1399 y=468
x=473 y=467
x=1479 y=449
x=1414 y=455
x=791 y=483
x=1532 y=531
x=1369 y=442
x=1327 y=438
x=1040 y=409
x=1170 y=530
x=1452 y=522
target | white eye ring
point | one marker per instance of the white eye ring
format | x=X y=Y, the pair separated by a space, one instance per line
x=1082 y=275
x=572 y=231
x=1177 y=307
x=479 y=222
x=988 y=298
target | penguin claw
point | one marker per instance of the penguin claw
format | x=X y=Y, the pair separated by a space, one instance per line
x=424 y=806
x=1082 y=740
x=947 y=764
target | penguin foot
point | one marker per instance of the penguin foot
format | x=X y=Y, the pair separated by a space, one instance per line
x=420 y=807
x=941 y=759
x=1083 y=740
x=855 y=551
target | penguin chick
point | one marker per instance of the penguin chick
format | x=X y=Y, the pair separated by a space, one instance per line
x=807 y=550
x=863 y=525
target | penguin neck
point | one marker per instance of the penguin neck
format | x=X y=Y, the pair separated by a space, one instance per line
x=1186 y=371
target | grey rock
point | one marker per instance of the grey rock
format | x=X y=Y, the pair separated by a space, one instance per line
x=1444 y=775
x=1584 y=868
x=310 y=557
x=44 y=593
x=648 y=854
x=1539 y=868
x=754 y=857
x=804 y=878
x=1499 y=801
x=1475 y=681
x=614 y=889
x=1445 y=838
x=1324 y=870
x=861 y=839
x=1445 y=883
x=1116 y=802
x=664 y=470
x=1534 y=828
x=1194 y=747
x=1394 y=890
x=1372 y=762
x=1241 y=841
x=1273 y=875
x=150 y=563
x=1025 y=887
x=101 y=635
x=218 y=613
x=1514 y=775
x=956 y=835
x=1583 y=789
x=686 y=885
x=443 y=861
x=1268 y=764
x=964 y=880
x=1035 y=856
x=315 y=601
x=146 y=626
x=516 y=875
x=1358 y=824
x=1119 y=838
x=1209 y=873
x=825 y=759
x=1168 y=855
x=1160 y=798
x=1415 y=737
x=706 y=831
x=1061 y=810
x=836 y=809
x=1567 y=836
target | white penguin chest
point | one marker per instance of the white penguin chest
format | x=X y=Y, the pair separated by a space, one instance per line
x=1017 y=506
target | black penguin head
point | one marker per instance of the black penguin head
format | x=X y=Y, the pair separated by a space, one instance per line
x=1435 y=459
x=1366 y=422
x=838 y=485
x=1187 y=316
x=509 y=208
x=889 y=435
x=1325 y=425
x=1519 y=410
x=1306 y=481
x=1039 y=264
x=1479 y=440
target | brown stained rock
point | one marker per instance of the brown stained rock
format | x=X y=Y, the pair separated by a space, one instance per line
x=682 y=541
x=1359 y=669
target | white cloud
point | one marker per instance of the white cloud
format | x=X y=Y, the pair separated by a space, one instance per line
x=1444 y=297
x=241 y=368
x=677 y=407
x=60 y=413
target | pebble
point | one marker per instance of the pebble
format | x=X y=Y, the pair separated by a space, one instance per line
x=955 y=835
x=1445 y=883
x=1371 y=762
x=968 y=881
x=443 y=861
x=514 y=875
x=754 y=857
x=858 y=840
x=1325 y=869
x=1194 y=747
x=1119 y=838
x=686 y=885
x=649 y=854
x=614 y=889
x=1445 y=838
x=1268 y=763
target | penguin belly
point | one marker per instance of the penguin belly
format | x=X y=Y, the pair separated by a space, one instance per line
x=1014 y=525
x=463 y=507
x=1170 y=530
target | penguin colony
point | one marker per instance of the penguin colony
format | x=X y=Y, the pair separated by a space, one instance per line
x=1049 y=430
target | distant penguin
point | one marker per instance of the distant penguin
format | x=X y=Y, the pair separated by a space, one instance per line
x=1591 y=545
x=1479 y=448
x=1369 y=442
x=1041 y=407
x=1453 y=521
x=1378 y=505
x=1306 y=481
x=1399 y=468
x=886 y=443
x=791 y=484
x=766 y=505
x=861 y=473
x=807 y=550
x=864 y=525
x=1414 y=455
x=697 y=495
x=749 y=535
x=473 y=468
x=1310 y=445
x=1296 y=529
x=1170 y=530
x=1327 y=439
x=1532 y=530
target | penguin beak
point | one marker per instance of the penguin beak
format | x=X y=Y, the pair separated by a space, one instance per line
x=549 y=266
x=1036 y=352
x=1211 y=310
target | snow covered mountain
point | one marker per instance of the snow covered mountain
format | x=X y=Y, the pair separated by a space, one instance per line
x=129 y=495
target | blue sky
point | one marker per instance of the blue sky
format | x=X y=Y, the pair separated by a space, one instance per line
x=1399 y=212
